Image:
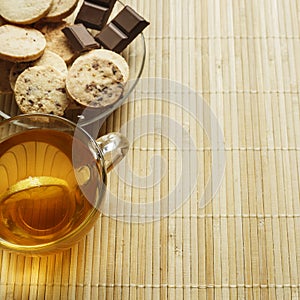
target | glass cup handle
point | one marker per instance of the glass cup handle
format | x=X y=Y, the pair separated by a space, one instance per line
x=114 y=147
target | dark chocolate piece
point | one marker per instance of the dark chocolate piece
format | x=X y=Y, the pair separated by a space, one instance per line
x=80 y=38
x=94 y=14
x=127 y=23
x=130 y=22
x=113 y=38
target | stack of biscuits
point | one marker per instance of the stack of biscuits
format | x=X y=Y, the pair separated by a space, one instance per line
x=38 y=64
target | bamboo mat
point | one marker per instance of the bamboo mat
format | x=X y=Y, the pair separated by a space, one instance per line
x=243 y=59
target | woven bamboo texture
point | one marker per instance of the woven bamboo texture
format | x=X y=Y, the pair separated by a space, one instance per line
x=243 y=58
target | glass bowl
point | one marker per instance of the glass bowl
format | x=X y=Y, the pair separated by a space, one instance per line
x=134 y=54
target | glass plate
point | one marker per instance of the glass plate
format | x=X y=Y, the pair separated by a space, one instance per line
x=134 y=54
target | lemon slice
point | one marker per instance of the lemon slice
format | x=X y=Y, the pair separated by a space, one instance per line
x=34 y=182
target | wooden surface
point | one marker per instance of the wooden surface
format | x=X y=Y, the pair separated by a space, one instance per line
x=243 y=59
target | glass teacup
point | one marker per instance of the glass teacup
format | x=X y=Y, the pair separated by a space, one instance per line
x=52 y=181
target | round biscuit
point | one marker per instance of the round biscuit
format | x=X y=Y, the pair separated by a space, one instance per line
x=95 y=81
x=41 y=89
x=60 y=9
x=114 y=57
x=24 y=12
x=20 y=44
x=48 y=58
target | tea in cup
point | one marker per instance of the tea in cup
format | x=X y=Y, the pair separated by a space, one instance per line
x=52 y=181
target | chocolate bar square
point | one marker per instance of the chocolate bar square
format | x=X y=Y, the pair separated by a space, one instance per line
x=129 y=21
x=122 y=30
x=80 y=38
x=113 y=38
x=92 y=15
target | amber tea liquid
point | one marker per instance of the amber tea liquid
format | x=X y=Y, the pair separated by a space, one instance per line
x=40 y=199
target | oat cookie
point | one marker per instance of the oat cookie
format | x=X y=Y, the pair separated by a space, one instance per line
x=56 y=40
x=41 y=89
x=24 y=12
x=5 y=67
x=20 y=44
x=97 y=78
x=48 y=58
x=60 y=9
x=116 y=58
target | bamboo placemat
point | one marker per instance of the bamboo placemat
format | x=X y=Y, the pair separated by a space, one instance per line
x=243 y=59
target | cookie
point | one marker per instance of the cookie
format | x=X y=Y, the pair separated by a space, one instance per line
x=57 y=41
x=48 y=58
x=60 y=9
x=24 y=12
x=97 y=78
x=41 y=89
x=20 y=44
x=116 y=58
x=5 y=67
